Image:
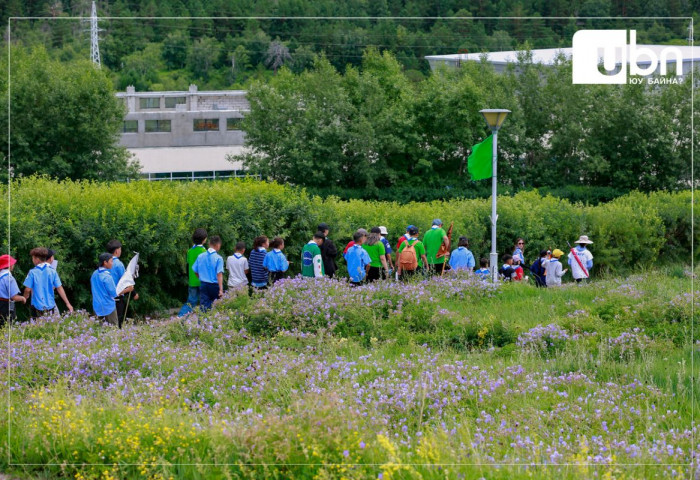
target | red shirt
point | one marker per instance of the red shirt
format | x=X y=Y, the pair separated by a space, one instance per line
x=352 y=243
x=401 y=240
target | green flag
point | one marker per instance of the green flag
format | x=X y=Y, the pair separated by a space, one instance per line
x=479 y=163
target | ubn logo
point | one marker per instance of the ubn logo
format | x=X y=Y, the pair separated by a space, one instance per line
x=590 y=46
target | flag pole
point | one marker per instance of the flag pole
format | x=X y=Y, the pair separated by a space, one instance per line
x=494 y=216
x=125 y=310
x=494 y=118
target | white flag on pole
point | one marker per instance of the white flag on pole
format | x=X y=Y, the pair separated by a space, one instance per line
x=131 y=273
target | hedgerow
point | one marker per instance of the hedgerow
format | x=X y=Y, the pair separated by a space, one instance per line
x=157 y=219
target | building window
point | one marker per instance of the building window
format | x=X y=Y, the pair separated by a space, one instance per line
x=130 y=126
x=172 y=102
x=149 y=102
x=233 y=123
x=157 y=126
x=206 y=124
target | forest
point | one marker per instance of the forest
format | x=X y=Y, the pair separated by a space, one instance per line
x=188 y=46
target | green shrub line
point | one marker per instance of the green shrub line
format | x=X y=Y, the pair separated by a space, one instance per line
x=77 y=218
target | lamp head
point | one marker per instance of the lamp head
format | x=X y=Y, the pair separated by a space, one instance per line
x=494 y=117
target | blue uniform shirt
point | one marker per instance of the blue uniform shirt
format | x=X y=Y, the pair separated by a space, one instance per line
x=208 y=265
x=484 y=273
x=387 y=246
x=43 y=279
x=103 y=292
x=357 y=258
x=117 y=270
x=8 y=285
x=462 y=258
x=275 y=261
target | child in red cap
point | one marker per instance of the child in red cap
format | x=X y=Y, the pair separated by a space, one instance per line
x=9 y=290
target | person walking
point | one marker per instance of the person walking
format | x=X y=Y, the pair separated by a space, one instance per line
x=198 y=238
x=553 y=269
x=433 y=240
x=312 y=256
x=328 y=251
x=581 y=259
x=375 y=248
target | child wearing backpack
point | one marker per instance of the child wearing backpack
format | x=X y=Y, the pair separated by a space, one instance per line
x=411 y=255
x=539 y=270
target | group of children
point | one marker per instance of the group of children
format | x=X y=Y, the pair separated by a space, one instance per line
x=43 y=280
x=547 y=269
x=368 y=257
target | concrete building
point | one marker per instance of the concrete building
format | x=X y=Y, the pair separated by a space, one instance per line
x=184 y=135
x=547 y=56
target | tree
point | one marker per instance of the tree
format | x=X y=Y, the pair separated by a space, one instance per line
x=65 y=120
x=297 y=126
x=277 y=55
x=175 y=48
x=203 y=54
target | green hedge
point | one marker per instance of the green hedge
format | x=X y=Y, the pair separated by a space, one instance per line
x=157 y=219
x=465 y=190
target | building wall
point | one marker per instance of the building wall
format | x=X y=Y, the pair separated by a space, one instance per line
x=183 y=148
x=182 y=132
x=143 y=107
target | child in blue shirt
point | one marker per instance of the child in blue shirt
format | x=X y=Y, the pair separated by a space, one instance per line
x=104 y=291
x=117 y=271
x=275 y=262
x=462 y=258
x=40 y=283
x=358 y=259
x=209 y=267
x=259 y=275
x=483 y=270
x=9 y=290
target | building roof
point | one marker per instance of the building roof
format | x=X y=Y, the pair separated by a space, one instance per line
x=547 y=56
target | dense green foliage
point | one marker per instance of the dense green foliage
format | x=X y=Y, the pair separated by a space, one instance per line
x=170 y=54
x=157 y=219
x=372 y=129
x=448 y=378
x=64 y=120
x=427 y=193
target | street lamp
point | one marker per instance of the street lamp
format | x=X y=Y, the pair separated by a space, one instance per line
x=494 y=118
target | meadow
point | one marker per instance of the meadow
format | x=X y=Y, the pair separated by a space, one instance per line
x=448 y=377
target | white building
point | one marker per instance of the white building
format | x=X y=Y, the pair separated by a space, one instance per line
x=547 y=56
x=184 y=135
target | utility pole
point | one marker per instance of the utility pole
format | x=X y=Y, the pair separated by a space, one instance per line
x=94 y=38
x=690 y=34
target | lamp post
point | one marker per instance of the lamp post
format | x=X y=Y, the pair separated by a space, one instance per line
x=494 y=118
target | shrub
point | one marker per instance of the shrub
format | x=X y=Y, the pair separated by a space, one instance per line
x=157 y=219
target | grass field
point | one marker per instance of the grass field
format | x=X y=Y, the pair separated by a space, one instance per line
x=444 y=378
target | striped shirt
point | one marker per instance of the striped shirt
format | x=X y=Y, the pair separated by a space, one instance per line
x=258 y=273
